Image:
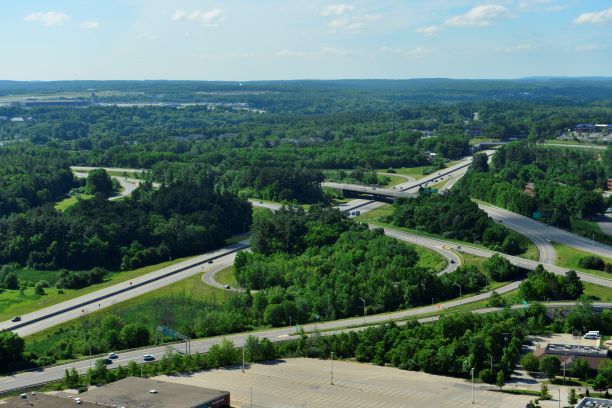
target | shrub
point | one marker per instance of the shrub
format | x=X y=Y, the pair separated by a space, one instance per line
x=592 y=262
x=530 y=363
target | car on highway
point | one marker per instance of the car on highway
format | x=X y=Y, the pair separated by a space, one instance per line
x=107 y=361
x=148 y=357
x=210 y=261
x=16 y=319
x=226 y=286
x=112 y=355
x=452 y=261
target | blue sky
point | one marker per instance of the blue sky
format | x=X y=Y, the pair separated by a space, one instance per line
x=287 y=39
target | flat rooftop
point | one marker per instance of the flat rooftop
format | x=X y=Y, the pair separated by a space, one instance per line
x=594 y=403
x=576 y=350
x=135 y=392
x=46 y=401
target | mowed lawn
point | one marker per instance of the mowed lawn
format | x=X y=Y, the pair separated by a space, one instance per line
x=570 y=258
x=66 y=203
x=17 y=303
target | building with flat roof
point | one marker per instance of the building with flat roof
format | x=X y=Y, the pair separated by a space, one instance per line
x=136 y=392
x=47 y=401
x=589 y=402
x=568 y=353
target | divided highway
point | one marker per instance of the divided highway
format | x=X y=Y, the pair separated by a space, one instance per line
x=54 y=373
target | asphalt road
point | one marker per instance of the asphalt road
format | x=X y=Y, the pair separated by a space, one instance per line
x=485 y=253
x=41 y=376
x=62 y=312
x=524 y=226
x=532 y=227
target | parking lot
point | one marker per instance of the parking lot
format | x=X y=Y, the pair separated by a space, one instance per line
x=302 y=382
x=562 y=338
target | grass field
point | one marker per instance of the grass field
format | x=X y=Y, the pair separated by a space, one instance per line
x=16 y=303
x=394 y=180
x=570 y=257
x=66 y=203
x=597 y=292
x=171 y=305
x=226 y=277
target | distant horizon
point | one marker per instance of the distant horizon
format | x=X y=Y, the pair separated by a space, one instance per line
x=533 y=77
x=241 y=40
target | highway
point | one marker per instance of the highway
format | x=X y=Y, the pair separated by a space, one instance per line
x=54 y=373
x=531 y=227
x=62 y=312
x=524 y=226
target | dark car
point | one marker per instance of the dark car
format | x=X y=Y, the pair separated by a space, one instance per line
x=16 y=319
x=210 y=261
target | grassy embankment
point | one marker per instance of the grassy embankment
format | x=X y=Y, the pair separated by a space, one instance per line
x=378 y=215
x=68 y=202
x=16 y=302
x=180 y=300
x=569 y=257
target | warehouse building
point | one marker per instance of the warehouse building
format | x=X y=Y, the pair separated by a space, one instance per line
x=131 y=392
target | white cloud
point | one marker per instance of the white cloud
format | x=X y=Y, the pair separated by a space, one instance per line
x=517 y=48
x=480 y=16
x=291 y=53
x=148 y=36
x=413 y=53
x=430 y=30
x=211 y=18
x=48 y=18
x=590 y=47
x=353 y=24
x=525 y=4
x=337 y=9
x=334 y=51
x=597 y=17
x=90 y=25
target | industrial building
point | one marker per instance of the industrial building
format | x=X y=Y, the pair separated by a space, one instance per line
x=131 y=392
x=594 y=403
x=567 y=354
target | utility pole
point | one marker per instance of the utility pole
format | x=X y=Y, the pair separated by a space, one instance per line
x=243 y=358
x=472 y=372
x=364 y=309
x=332 y=369
x=491 y=362
x=456 y=284
x=251 y=396
x=290 y=325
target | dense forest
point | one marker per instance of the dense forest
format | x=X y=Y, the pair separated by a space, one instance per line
x=151 y=226
x=454 y=216
x=567 y=184
x=30 y=177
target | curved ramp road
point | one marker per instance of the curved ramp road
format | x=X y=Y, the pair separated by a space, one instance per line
x=62 y=312
x=485 y=253
x=42 y=376
x=521 y=224
x=531 y=227
x=128 y=184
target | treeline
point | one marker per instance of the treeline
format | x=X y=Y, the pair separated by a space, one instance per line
x=31 y=176
x=454 y=216
x=151 y=226
x=567 y=184
x=274 y=183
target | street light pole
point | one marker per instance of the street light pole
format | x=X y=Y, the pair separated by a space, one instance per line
x=243 y=358
x=456 y=284
x=364 y=309
x=332 y=369
x=472 y=372
x=290 y=325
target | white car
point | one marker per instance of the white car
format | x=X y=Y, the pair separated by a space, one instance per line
x=148 y=357
x=112 y=355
